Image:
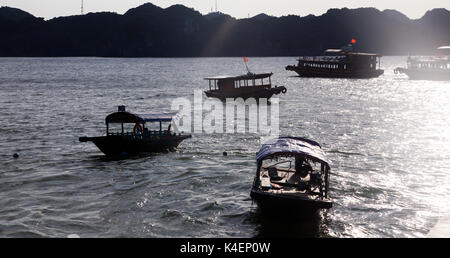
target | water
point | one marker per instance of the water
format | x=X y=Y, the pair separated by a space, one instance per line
x=388 y=139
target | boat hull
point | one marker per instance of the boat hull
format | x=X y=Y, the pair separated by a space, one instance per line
x=333 y=73
x=271 y=203
x=246 y=93
x=432 y=75
x=117 y=146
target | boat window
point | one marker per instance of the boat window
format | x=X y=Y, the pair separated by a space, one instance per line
x=116 y=129
x=154 y=127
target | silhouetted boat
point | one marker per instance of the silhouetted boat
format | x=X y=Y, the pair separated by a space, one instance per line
x=428 y=67
x=244 y=86
x=140 y=139
x=292 y=176
x=339 y=63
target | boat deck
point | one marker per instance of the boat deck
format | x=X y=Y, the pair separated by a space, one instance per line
x=285 y=181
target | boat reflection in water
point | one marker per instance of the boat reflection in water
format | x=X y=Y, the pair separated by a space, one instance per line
x=141 y=139
x=292 y=177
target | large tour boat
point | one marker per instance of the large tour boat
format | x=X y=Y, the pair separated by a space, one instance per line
x=119 y=142
x=428 y=67
x=339 y=63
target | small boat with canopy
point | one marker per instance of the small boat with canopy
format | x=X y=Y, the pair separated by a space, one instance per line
x=292 y=176
x=121 y=140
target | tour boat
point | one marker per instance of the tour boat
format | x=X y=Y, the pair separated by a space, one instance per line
x=339 y=63
x=245 y=86
x=428 y=67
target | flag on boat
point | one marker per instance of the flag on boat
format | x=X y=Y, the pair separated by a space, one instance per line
x=353 y=41
x=245 y=59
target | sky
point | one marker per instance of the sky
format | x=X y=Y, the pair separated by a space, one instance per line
x=48 y=9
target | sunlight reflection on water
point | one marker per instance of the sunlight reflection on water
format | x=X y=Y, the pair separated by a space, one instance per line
x=388 y=139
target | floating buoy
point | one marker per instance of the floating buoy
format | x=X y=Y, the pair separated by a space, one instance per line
x=16 y=155
x=225 y=153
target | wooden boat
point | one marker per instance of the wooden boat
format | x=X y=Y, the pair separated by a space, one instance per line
x=339 y=63
x=244 y=86
x=140 y=140
x=292 y=177
x=435 y=68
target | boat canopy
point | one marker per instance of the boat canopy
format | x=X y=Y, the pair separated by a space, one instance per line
x=334 y=51
x=292 y=146
x=249 y=76
x=126 y=117
x=344 y=52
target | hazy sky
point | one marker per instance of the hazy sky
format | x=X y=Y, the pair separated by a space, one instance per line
x=236 y=8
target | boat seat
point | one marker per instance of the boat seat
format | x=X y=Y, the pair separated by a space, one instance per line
x=273 y=174
x=301 y=186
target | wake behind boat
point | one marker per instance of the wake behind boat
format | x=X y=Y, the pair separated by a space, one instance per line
x=141 y=139
x=292 y=177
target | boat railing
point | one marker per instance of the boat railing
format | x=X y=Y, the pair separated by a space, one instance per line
x=429 y=59
x=146 y=133
x=335 y=59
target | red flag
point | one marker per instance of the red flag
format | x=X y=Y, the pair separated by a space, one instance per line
x=245 y=59
x=353 y=41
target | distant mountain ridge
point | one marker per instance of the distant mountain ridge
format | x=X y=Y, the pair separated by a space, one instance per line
x=179 y=31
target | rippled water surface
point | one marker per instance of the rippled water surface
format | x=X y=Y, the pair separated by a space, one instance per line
x=388 y=139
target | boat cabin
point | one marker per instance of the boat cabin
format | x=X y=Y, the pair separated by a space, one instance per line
x=143 y=125
x=245 y=86
x=230 y=83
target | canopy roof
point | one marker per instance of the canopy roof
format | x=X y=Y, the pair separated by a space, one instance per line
x=249 y=76
x=126 y=117
x=292 y=146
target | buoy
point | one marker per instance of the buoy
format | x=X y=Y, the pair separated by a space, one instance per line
x=225 y=153
x=16 y=155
